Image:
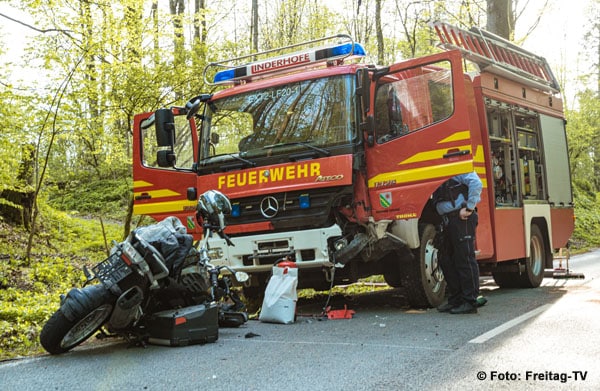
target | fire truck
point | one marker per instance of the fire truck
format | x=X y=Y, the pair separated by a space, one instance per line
x=331 y=163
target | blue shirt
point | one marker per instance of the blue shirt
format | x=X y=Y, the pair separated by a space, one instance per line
x=473 y=183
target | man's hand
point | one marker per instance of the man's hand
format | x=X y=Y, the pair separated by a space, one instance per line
x=464 y=213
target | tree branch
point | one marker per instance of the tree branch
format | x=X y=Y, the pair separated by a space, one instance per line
x=43 y=31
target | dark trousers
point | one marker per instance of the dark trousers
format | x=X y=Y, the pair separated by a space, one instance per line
x=457 y=259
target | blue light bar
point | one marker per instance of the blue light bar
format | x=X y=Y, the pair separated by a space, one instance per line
x=304 y=201
x=346 y=49
x=289 y=61
x=223 y=76
x=236 y=210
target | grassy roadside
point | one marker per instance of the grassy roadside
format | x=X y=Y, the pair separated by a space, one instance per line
x=30 y=289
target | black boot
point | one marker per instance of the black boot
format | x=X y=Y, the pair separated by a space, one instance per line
x=445 y=307
x=464 y=308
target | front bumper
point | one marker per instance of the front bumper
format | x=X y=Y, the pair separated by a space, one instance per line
x=257 y=253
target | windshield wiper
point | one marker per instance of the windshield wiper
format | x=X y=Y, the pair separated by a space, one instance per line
x=303 y=143
x=237 y=157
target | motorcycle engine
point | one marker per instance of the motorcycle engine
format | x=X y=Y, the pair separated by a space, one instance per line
x=195 y=278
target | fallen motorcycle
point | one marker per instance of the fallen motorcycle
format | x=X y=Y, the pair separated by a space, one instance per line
x=156 y=287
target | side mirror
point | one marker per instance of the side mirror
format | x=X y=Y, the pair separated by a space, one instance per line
x=165 y=127
x=369 y=127
x=364 y=89
x=214 y=138
x=193 y=105
x=165 y=158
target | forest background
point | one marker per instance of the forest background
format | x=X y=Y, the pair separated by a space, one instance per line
x=82 y=69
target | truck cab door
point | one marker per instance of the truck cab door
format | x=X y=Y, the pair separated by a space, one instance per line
x=421 y=133
x=165 y=147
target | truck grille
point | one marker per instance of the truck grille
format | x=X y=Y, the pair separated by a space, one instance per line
x=289 y=213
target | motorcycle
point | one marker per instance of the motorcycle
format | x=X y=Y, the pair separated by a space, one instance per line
x=156 y=287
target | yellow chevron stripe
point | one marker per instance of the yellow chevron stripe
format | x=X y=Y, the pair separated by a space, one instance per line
x=430 y=155
x=462 y=135
x=478 y=157
x=160 y=193
x=419 y=174
x=164 y=207
x=137 y=184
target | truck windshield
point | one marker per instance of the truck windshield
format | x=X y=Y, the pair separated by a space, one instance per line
x=312 y=114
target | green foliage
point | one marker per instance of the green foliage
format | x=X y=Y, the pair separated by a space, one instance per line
x=96 y=197
x=29 y=291
x=583 y=129
x=79 y=237
x=28 y=299
x=587 y=213
x=22 y=314
x=11 y=107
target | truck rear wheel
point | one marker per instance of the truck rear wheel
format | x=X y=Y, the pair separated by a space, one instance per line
x=423 y=277
x=534 y=265
x=533 y=274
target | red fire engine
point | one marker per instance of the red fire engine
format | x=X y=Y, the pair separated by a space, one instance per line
x=332 y=162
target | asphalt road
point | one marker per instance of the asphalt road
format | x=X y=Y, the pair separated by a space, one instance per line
x=533 y=339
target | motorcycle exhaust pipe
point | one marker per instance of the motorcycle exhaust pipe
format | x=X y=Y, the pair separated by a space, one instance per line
x=127 y=308
x=130 y=298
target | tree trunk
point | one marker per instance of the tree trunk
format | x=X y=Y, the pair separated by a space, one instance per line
x=199 y=21
x=501 y=18
x=380 y=43
x=155 y=33
x=254 y=26
x=597 y=40
x=177 y=9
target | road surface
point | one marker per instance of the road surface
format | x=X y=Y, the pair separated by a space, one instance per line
x=524 y=339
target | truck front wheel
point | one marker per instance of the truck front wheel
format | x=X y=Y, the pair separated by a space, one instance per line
x=422 y=276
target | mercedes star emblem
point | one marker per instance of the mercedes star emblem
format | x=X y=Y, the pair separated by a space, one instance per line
x=269 y=207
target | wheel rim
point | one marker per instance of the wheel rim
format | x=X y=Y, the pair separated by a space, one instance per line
x=535 y=258
x=433 y=271
x=86 y=326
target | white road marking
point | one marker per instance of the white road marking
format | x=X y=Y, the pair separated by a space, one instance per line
x=512 y=323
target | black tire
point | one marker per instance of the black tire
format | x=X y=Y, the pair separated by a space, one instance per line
x=392 y=273
x=60 y=334
x=534 y=265
x=506 y=279
x=423 y=277
x=232 y=319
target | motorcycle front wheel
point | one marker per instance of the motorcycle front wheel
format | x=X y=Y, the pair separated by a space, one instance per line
x=60 y=334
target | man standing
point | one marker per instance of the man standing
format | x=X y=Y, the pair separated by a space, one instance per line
x=456 y=202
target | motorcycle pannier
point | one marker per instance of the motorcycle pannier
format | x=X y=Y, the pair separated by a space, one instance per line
x=184 y=326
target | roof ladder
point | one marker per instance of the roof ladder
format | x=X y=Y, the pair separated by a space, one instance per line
x=496 y=55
